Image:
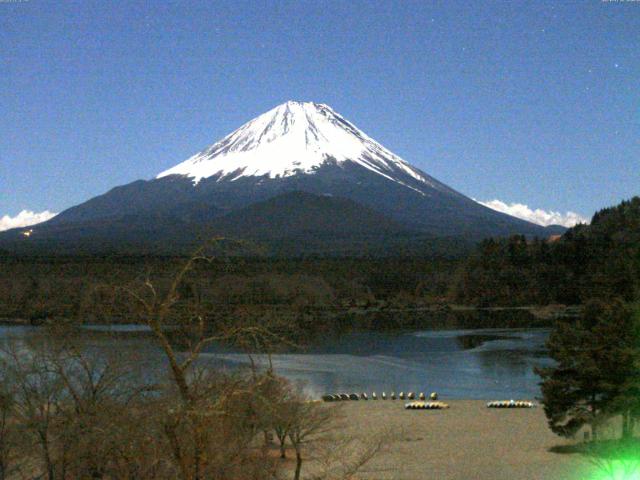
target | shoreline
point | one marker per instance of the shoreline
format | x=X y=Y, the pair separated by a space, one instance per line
x=542 y=315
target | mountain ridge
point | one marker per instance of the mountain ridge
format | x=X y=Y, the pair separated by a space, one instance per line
x=295 y=147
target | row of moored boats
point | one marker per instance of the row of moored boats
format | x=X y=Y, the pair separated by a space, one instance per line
x=374 y=396
x=511 y=404
x=421 y=403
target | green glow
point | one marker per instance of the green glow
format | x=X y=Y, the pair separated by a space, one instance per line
x=619 y=470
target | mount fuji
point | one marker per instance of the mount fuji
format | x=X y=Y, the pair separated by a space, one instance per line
x=297 y=173
x=297 y=138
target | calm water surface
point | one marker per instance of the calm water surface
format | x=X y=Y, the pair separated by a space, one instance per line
x=480 y=364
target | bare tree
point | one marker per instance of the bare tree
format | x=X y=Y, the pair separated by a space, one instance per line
x=345 y=457
x=9 y=436
x=318 y=435
x=309 y=422
x=204 y=408
x=77 y=407
x=37 y=396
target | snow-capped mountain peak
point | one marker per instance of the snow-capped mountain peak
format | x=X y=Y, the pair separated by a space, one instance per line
x=269 y=182
x=296 y=138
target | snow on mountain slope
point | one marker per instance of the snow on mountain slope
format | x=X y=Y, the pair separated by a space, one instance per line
x=298 y=138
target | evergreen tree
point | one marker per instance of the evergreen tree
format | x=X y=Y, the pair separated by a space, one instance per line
x=596 y=375
x=624 y=382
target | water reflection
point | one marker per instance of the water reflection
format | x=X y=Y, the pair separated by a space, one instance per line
x=484 y=364
x=481 y=363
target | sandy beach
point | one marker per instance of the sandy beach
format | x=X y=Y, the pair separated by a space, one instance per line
x=466 y=442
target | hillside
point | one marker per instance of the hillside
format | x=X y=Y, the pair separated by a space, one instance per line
x=601 y=259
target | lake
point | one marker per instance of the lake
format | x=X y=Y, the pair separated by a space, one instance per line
x=471 y=364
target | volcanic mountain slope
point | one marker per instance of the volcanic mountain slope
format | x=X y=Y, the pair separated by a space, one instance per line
x=290 y=223
x=295 y=147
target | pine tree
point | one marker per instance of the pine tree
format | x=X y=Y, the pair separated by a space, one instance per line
x=596 y=376
x=570 y=392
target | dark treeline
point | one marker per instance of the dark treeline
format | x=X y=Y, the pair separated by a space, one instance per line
x=597 y=260
x=39 y=288
x=600 y=260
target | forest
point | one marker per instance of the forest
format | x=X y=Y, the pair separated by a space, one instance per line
x=598 y=260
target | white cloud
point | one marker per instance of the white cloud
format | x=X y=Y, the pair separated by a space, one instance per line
x=539 y=216
x=24 y=219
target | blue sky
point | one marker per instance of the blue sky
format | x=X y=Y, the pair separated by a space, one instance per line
x=529 y=102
